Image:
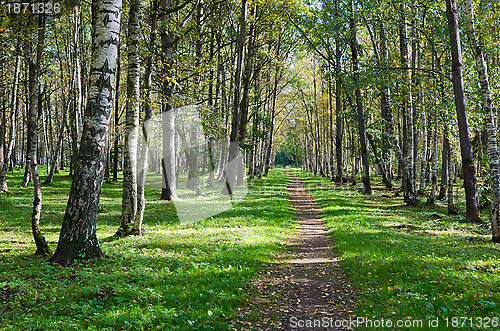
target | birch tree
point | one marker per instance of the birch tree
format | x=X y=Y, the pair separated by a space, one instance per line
x=78 y=238
x=13 y=127
x=233 y=139
x=489 y=117
x=169 y=37
x=146 y=105
x=469 y=172
x=42 y=247
x=129 y=197
x=365 y=178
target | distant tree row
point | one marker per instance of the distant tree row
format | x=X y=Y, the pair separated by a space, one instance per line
x=383 y=89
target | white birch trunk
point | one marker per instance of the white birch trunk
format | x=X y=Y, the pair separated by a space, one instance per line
x=451 y=178
x=13 y=129
x=489 y=120
x=78 y=238
x=423 y=165
x=129 y=197
x=432 y=197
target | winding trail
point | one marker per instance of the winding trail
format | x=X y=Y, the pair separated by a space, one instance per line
x=312 y=283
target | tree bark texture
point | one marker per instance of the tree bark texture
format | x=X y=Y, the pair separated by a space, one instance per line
x=407 y=111
x=142 y=167
x=129 y=196
x=42 y=248
x=365 y=178
x=169 y=180
x=444 y=168
x=431 y=200
x=9 y=155
x=423 y=164
x=489 y=114
x=468 y=169
x=78 y=238
x=235 y=123
x=451 y=175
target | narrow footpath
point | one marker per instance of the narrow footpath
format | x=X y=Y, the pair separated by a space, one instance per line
x=315 y=290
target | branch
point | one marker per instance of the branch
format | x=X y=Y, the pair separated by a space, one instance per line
x=308 y=40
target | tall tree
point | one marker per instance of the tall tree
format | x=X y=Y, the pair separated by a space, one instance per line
x=233 y=139
x=146 y=105
x=78 y=238
x=468 y=169
x=76 y=92
x=365 y=178
x=42 y=248
x=489 y=114
x=444 y=169
x=9 y=154
x=129 y=197
x=407 y=109
x=169 y=38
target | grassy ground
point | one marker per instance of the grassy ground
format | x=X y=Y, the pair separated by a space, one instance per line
x=412 y=263
x=175 y=277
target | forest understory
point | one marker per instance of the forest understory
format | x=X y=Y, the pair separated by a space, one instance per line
x=403 y=262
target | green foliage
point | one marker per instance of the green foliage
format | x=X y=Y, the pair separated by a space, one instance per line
x=408 y=262
x=175 y=277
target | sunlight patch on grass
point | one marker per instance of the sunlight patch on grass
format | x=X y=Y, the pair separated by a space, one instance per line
x=175 y=277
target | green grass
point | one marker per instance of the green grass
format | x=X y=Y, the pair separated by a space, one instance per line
x=406 y=263
x=175 y=277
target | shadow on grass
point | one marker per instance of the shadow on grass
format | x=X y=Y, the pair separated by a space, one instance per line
x=175 y=277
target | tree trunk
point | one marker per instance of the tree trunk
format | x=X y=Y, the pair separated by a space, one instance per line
x=339 y=129
x=78 y=238
x=451 y=204
x=365 y=178
x=10 y=153
x=107 y=169
x=432 y=197
x=252 y=169
x=408 y=114
x=27 y=168
x=489 y=114
x=3 y=118
x=142 y=167
x=247 y=74
x=423 y=165
x=42 y=248
x=387 y=106
x=469 y=172
x=169 y=180
x=267 y=159
x=117 y=117
x=129 y=196
x=233 y=139
x=76 y=109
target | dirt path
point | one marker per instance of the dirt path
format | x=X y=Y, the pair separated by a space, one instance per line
x=315 y=288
